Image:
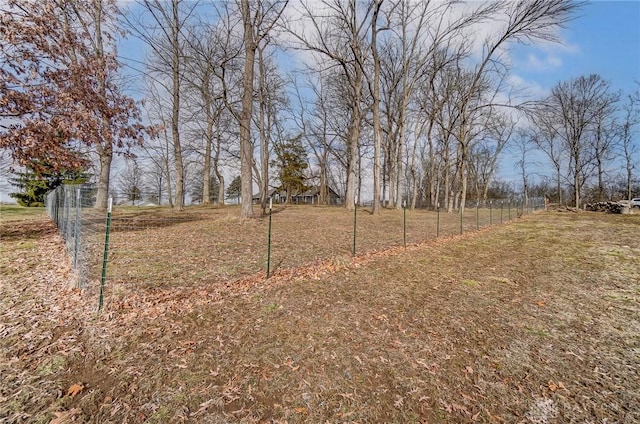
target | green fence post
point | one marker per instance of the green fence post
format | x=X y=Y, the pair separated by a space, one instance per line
x=478 y=215
x=404 y=223
x=501 y=210
x=355 y=213
x=76 y=231
x=105 y=257
x=509 y=209
x=490 y=212
x=438 y=220
x=269 y=239
x=461 y=216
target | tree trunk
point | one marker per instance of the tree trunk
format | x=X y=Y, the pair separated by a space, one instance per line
x=175 y=131
x=246 y=146
x=353 y=139
x=105 y=154
x=264 y=137
x=206 y=169
x=376 y=110
x=105 y=147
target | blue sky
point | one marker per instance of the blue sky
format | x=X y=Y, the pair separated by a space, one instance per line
x=604 y=39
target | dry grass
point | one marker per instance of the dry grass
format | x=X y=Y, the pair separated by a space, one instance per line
x=536 y=321
x=161 y=248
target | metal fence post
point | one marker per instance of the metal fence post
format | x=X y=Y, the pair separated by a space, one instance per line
x=76 y=230
x=355 y=212
x=490 y=212
x=404 y=223
x=477 y=215
x=438 y=220
x=269 y=239
x=461 y=216
x=105 y=257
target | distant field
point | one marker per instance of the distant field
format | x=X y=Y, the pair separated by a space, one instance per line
x=16 y=212
x=532 y=322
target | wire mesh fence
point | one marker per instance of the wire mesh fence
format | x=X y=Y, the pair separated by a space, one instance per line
x=81 y=227
x=152 y=246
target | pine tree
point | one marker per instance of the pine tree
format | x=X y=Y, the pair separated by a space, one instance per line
x=292 y=164
x=40 y=178
x=235 y=188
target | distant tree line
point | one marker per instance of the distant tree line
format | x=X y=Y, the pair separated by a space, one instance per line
x=398 y=99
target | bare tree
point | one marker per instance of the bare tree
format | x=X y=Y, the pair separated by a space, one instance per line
x=377 y=142
x=547 y=140
x=526 y=21
x=484 y=157
x=340 y=36
x=210 y=50
x=258 y=20
x=605 y=136
x=161 y=26
x=572 y=112
x=631 y=119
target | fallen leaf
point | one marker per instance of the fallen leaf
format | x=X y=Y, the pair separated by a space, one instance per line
x=399 y=402
x=63 y=417
x=468 y=370
x=75 y=389
x=300 y=410
x=542 y=303
x=461 y=409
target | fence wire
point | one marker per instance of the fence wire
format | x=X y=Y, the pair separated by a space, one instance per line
x=158 y=247
x=81 y=227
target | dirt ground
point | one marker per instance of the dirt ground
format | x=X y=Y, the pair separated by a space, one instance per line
x=535 y=321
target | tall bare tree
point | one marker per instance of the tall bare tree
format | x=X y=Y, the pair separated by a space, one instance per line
x=526 y=21
x=161 y=25
x=258 y=19
x=340 y=36
x=631 y=118
x=572 y=112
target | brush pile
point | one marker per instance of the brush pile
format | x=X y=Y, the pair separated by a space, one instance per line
x=608 y=207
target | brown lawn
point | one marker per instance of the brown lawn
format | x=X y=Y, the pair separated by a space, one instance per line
x=534 y=321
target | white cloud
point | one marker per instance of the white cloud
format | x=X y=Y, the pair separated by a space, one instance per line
x=526 y=89
x=546 y=62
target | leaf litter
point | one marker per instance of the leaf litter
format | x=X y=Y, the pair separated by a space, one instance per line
x=387 y=336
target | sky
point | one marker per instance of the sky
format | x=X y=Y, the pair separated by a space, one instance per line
x=603 y=39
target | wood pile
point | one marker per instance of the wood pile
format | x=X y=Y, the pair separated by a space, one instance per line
x=608 y=207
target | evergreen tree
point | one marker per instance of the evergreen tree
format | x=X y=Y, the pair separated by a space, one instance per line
x=291 y=163
x=196 y=193
x=235 y=188
x=40 y=178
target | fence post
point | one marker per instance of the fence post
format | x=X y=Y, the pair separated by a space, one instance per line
x=105 y=257
x=478 y=215
x=461 y=216
x=501 y=210
x=404 y=223
x=509 y=209
x=76 y=231
x=269 y=239
x=355 y=212
x=490 y=212
x=438 y=220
